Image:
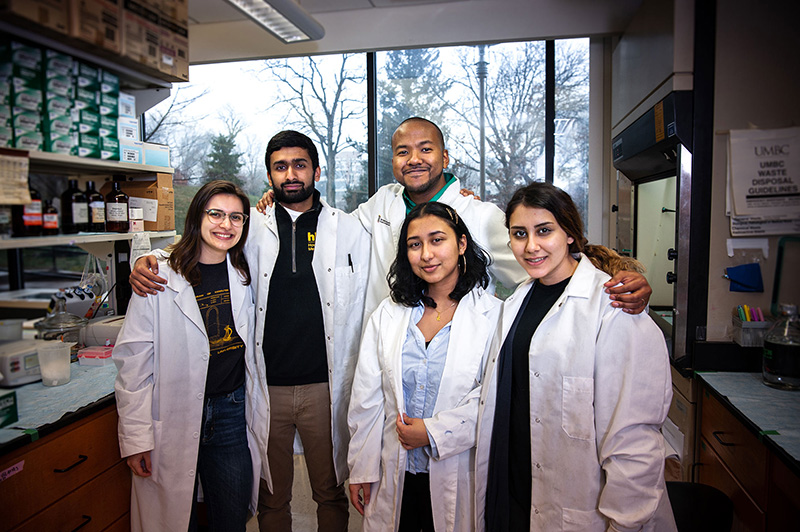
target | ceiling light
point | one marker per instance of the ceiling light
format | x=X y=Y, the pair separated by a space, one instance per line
x=283 y=18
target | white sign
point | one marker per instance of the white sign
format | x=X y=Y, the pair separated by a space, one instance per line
x=765 y=172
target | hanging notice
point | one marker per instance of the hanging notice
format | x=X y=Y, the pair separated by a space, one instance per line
x=764 y=172
x=14 y=178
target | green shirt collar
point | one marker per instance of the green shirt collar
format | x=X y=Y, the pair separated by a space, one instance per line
x=449 y=180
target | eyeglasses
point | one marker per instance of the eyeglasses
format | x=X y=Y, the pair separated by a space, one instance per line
x=216 y=217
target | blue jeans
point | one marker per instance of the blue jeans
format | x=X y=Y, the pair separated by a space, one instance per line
x=224 y=465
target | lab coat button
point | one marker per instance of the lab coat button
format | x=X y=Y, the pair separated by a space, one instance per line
x=261 y=309
x=266 y=274
x=191 y=472
x=536 y=511
x=538 y=466
x=538 y=420
x=196 y=435
x=535 y=373
x=205 y=357
x=328 y=303
x=329 y=270
x=200 y=396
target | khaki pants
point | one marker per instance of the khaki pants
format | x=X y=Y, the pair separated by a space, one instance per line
x=306 y=410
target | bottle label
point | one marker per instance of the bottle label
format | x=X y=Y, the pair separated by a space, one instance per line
x=117 y=212
x=50 y=221
x=98 y=211
x=5 y=215
x=32 y=214
x=80 y=213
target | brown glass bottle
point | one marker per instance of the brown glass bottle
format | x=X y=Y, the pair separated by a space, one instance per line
x=26 y=220
x=117 y=210
x=74 y=209
x=97 y=208
x=49 y=218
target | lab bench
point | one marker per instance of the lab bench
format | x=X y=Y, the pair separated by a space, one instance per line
x=749 y=447
x=60 y=466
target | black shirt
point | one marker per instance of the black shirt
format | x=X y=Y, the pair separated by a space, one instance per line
x=294 y=333
x=226 y=364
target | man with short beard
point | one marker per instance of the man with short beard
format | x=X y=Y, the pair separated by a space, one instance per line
x=309 y=264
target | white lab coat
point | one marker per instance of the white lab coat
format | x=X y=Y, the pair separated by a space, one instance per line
x=341 y=266
x=600 y=389
x=162 y=359
x=376 y=455
x=383 y=215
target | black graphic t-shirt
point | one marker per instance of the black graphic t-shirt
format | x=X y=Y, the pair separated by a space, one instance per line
x=226 y=365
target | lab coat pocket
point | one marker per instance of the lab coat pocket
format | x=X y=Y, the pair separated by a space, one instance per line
x=347 y=292
x=581 y=520
x=577 y=407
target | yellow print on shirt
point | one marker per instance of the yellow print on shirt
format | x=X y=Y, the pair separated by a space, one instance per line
x=312 y=239
x=222 y=337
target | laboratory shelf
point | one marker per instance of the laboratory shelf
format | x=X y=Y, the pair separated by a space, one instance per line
x=79 y=239
x=61 y=164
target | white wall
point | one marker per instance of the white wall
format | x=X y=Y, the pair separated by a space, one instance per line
x=757 y=82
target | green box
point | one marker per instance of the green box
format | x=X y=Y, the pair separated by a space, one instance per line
x=26 y=78
x=6 y=137
x=86 y=76
x=8 y=407
x=86 y=145
x=29 y=140
x=57 y=126
x=57 y=105
x=30 y=99
x=24 y=55
x=60 y=144
x=109 y=148
x=109 y=105
x=5 y=116
x=59 y=85
x=25 y=120
x=57 y=64
x=86 y=99
x=109 y=83
x=86 y=122
x=108 y=126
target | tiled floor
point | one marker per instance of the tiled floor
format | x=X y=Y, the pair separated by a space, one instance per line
x=304 y=509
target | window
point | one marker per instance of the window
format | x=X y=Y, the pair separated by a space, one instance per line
x=221 y=121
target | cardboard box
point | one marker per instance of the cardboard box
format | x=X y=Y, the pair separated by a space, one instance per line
x=87 y=76
x=128 y=128
x=48 y=13
x=25 y=120
x=131 y=151
x=108 y=127
x=97 y=22
x=155 y=195
x=30 y=99
x=8 y=407
x=86 y=145
x=86 y=99
x=109 y=105
x=109 y=148
x=57 y=106
x=140 y=33
x=57 y=64
x=127 y=105
x=29 y=140
x=155 y=154
x=23 y=55
x=59 y=144
x=57 y=126
x=109 y=83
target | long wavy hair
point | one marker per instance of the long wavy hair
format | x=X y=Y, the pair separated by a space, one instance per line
x=185 y=255
x=540 y=195
x=408 y=289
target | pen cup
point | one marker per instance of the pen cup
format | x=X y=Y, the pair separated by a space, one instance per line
x=749 y=333
x=54 y=363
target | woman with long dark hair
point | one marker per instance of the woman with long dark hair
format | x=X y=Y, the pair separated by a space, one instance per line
x=415 y=391
x=190 y=390
x=575 y=392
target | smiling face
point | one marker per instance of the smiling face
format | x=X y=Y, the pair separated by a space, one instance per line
x=419 y=159
x=292 y=178
x=540 y=245
x=217 y=239
x=434 y=250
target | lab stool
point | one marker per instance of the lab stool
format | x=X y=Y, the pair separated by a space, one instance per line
x=699 y=507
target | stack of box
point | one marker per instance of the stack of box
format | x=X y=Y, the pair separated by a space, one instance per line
x=109 y=113
x=6 y=133
x=23 y=67
x=154 y=195
x=51 y=14
x=86 y=110
x=59 y=89
x=174 y=25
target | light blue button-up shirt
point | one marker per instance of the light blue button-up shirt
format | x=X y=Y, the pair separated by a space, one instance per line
x=422 y=373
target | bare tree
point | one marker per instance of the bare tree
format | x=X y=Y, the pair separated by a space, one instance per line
x=162 y=120
x=320 y=96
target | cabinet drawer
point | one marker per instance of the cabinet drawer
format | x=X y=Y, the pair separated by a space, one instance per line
x=748 y=517
x=93 y=506
x=738 y=448
x=59 y=465
x=123 y=524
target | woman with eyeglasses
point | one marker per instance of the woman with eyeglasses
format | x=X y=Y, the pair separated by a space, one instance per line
x=574 y=394
x=415 y=392
x=191 y=394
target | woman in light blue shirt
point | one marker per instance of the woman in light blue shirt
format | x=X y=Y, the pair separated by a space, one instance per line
x=415 y=391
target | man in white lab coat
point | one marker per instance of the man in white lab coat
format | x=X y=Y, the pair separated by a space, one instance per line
x=419 y=161
x=309 y=265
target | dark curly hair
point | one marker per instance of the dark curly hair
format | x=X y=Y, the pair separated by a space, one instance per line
x=408 y=289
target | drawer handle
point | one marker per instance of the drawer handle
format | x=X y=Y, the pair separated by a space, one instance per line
x=86 y=520
x=716 y=437
x=81 y=459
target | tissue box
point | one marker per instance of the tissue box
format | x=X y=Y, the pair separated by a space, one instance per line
x=8 y=407
x=95 y=356
x=749 y=333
